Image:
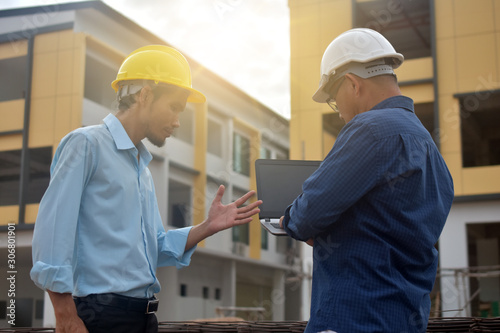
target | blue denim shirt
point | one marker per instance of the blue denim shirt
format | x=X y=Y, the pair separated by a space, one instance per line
x=98 y=228
x=375 y=209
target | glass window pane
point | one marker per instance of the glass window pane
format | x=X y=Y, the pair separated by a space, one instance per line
x=12 y=78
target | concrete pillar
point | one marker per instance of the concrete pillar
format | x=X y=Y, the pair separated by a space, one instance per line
x=278 y=296
x=307 y=269
x=49 y=317
x=168 y=277
x=229 y=283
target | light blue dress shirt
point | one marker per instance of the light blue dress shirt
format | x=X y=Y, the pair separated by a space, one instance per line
x=98 y=228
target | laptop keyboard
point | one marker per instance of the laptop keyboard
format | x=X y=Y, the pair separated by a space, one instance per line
x=275 y=224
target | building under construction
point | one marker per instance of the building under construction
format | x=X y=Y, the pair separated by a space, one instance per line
x=452 y=72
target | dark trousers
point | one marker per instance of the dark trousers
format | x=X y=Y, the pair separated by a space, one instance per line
x=102 y=316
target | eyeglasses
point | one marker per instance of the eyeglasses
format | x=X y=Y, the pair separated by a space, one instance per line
x=331 y=101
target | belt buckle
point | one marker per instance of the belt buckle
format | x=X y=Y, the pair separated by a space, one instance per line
x=152 y=306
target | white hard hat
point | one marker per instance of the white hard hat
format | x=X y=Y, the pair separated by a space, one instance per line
x=360 y=51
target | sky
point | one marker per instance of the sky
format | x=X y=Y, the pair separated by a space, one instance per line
x=244 y=41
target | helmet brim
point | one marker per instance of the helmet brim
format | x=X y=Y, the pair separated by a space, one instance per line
x=195 y=96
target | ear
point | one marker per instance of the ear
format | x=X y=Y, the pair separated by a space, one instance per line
x=355 y=83
x=146 y=96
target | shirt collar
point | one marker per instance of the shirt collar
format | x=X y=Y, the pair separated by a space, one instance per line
x=122 y=140
x=399 y=101
x=120 y=136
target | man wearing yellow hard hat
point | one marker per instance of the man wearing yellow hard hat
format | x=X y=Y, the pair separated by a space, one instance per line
x=98 y=237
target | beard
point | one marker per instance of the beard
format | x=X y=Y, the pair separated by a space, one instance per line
x=157 y=141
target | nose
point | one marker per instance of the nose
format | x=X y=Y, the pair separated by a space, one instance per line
x=176 y=123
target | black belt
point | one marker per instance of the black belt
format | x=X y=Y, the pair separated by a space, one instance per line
x=144 y=305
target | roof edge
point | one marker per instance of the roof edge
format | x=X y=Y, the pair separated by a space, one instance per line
x=119 y=17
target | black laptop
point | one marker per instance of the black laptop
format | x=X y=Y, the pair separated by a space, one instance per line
x=279 y=182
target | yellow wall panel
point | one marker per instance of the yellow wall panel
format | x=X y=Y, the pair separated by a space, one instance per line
x=496 y=8
x=294 y=3
x=63 y=112
x=420 y=93
x=9 y=214
x=65 y=40
x=308 y=78
x=295 y=140
x=454 y=163
x=64 y=72
x=294 y=33
x=331 y=28
x=42 y=122
x=481 y=180
x=31 y=213
x=76 y=111
x=497 y=37
x=255 y=228
x=446 y=19
x=473 y=16
x=200 y=156
x=11 y=115
x=79 y=66
x=44 y=75
x=306 y=25
x=311 y=132
x=415 y=69
x=11 y=142
x=447 y=66
x=46 y=42
x=295 y=85
x=476 y=60
x=449 y=125
x=13 y=49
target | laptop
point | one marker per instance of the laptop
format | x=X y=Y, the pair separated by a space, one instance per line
x=279 y=182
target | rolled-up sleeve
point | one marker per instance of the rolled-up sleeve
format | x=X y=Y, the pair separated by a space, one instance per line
x=171 y=245
x=56 y=224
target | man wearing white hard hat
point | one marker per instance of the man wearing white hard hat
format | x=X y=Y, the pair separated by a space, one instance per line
x=374 y=209
x=98 y=236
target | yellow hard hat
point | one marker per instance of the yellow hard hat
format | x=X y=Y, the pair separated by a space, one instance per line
x=160 y=64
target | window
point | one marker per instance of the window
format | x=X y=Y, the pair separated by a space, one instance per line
x=425 y=113
x=282 y=244
x=206 y=293
x=218 y=294
x=183 y=290
x=480 y=128
x=179 y=198
x=241 y=234
x=241 y=154
x=39 y=309
x=264 y=239
x=185 y=132
x=405 y=23
x=13 y=78
x=98 y=77
x=483 y=244
x=265 y=152
x=272 y=150
x=214 y=138
x=39 y=160
x=179 y=212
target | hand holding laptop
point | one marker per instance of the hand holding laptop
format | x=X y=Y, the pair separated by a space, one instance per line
x=279 y=182
x=309 y=242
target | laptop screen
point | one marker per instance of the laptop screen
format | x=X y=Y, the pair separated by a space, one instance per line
x=279 y=182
